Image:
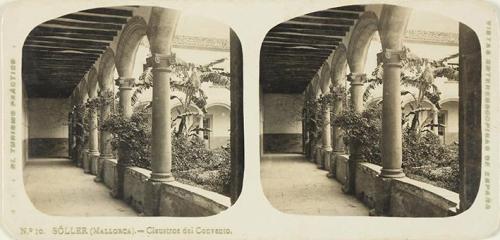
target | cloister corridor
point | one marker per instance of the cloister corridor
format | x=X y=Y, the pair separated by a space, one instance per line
x=57 y=187
x=294 y=185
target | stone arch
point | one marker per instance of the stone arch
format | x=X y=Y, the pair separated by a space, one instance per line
x=324 y=80
x=316 y=90
x=92 y=82
x=128 y=44
x=339 y=65
x=224 y=105
x=83 y=90
x=392 y=26
x=359 y=41
x=106 y=69
x=447 y=100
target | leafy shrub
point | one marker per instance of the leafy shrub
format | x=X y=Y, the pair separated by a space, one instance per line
x=425 y=158
x=132 y=136
x=213 y=175
x=192 y=162
x=363 y=130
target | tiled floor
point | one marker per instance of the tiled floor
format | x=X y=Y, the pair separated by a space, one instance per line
x=58 y=187
x=295 y=185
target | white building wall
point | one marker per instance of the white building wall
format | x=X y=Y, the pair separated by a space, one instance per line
x=282 y=127
x=448 y=89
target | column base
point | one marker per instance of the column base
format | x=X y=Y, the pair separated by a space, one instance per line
x=86 y=161
x=119 y=177
x=100 y=167
x=162 y=177
x=94 y=161
x=318 y=157
x=326 y=156
x=332 y=171
x=392 y=173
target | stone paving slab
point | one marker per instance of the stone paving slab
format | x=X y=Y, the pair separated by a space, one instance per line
x=294 y=185
x=58 y=187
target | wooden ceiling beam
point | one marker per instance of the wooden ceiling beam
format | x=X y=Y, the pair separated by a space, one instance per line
x=43 y=54
x=304 y=36
x=325 y=32
x=280 y=50
x=292 y=56
x=110 y=11
x=322 y=20
x=65 y=40
x=61 y=44
x=95 y=18
x=301 y=46
x=302 y=40
x=99 y=26
x=42 y=29
x=313 y=26
x=73 y=35
x=353 y=8
x=334 y=14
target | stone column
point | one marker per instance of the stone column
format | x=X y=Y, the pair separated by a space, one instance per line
x=161 y=157
x=338 y=142
x=85 y=138
x=70 y=135
x=105 y=144
x=161 y=30
x=125 y=86
x=392 y=26
x=391 y=114
x=357 y=80
x=326 y=138
x=93 y=137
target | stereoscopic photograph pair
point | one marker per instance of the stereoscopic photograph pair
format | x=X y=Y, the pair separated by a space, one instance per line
x=249 y=120
x=366 y=110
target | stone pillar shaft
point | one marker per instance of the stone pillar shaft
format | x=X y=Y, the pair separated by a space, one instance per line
x=125 y=100
x=93 y=133
x=327 y=141
x=161 y=157
x=338 y=142
x=357 y=81
x=106 y=151
x=125 y=95
x=392 y=151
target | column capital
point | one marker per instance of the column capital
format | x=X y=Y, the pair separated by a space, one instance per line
x=356 y=78
x=391 y=57
x=161 y=61
x=125 y=83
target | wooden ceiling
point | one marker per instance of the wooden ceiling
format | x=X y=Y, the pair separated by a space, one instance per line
x=58 y=53
x=293 y=51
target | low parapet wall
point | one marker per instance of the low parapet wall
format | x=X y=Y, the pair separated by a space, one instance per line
x=176 y=199
x=400 y=197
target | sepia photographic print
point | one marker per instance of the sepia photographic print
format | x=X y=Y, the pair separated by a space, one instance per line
x=377 y=107
x=367 y=119
x=142 y=106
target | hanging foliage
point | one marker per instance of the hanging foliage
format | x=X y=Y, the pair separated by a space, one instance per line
x=185 y=84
